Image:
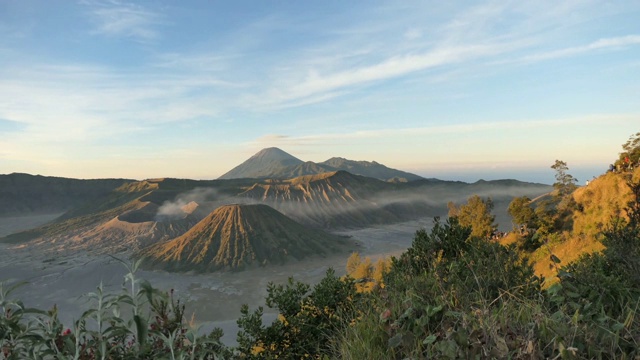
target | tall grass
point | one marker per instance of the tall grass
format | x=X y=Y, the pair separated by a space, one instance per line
x=140 y=322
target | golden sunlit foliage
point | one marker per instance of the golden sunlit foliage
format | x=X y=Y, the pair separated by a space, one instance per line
x=476 y=214
x=367 y=275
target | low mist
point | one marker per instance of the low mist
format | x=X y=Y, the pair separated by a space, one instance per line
x=184 y=204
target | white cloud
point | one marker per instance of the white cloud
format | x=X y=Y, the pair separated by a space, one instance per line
x=129 y=20
x=413 y=34
x=483 y=35
x=439 y=130
x=79 y=103
x=602 y=44
x=327 y=86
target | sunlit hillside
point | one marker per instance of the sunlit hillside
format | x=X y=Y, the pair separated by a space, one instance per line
x=597 y=204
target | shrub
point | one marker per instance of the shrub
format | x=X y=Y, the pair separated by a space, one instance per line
x=306 y=323
x=466 y=267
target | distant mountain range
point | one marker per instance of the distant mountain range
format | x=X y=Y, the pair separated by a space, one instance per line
x=33 y=194
x=190 y=224
x=273 y=163
x=141 y=213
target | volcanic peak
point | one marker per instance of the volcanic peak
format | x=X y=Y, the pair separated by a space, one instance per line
x=266 y=163
x=275 y=163
x=235 y=236
x=274 y=153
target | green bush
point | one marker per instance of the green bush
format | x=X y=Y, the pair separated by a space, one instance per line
x=454 y=296
x=307 y=321
x=466 y=267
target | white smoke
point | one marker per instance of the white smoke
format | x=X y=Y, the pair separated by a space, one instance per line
x=177 y=208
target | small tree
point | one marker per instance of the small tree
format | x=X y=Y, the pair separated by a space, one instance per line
x=366 y=275
x=545 y=213
x=565 y=183
x=631 y=151
x=383 y=265
x=476 y=213
x=522 y=213
x=565 y=204
x=353 y=262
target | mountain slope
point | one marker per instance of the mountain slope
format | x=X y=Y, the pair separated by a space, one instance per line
x=125 y=198
x=330 y=200
x=24 y=194
x=269 y=162
x=125 y=216
x=235 y=236
x=306 y=168
x=370 y=169
x=339 y=200
x=137 y=228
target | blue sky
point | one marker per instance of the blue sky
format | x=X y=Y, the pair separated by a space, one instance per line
x=145 y=89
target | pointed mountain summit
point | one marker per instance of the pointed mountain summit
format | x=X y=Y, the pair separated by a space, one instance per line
x=269 y=162
x=235 y=236
x=273 y=163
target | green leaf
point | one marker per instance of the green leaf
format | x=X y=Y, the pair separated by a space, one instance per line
x=422 y=321
x=191 y=337
x=454 y=314
x=555 y=259
x=448 y=349
x=11 y=288
x=573 y=295
x=88 y=313
x=141 y=328
x=432 y=310
x=558 y=315
x=407 y=313
x=395 y=341
x=563 y=274
x=429 y=339
x=617 y=327
x=501 y=346
x=576 y=317
x=34 y=311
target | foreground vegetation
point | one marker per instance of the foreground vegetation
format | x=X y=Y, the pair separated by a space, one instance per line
x=453 y=294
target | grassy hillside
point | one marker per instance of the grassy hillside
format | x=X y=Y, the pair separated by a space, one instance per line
x=603 y=199
x=597 y=204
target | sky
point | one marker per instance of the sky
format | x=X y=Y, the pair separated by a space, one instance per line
x=454 y=90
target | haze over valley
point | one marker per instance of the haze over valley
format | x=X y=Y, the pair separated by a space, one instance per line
x=221 y=240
